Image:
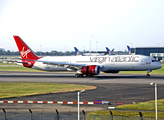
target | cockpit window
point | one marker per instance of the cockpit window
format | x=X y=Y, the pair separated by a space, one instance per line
x=154 y=61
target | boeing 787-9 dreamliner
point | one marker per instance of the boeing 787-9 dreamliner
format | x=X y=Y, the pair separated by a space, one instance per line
x=86 y=65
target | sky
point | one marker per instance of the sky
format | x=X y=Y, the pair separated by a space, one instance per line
x=61 y=25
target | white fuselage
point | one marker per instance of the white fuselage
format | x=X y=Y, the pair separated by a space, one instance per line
x=107 y=63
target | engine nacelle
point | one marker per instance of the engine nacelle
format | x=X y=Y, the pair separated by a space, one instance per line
x=90 y=70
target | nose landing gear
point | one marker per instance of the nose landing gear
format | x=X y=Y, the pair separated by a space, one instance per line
x=148 y=75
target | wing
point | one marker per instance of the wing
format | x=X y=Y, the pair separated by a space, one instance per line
x=73 y=66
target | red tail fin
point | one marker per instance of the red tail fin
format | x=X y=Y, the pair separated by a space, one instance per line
x=24 y=50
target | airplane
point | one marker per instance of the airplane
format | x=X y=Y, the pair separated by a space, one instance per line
x=88 y=54
x=77 y=51
x=107 y=49
x=110 y=52
x=86 y=65
x=129 y=50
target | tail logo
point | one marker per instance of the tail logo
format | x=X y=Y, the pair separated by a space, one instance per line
x=24 y=53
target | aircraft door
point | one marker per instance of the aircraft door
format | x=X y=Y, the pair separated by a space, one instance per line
x=142 y=62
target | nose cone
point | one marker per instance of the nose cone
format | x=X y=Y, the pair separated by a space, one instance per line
x=156 y=65
x=160 y=65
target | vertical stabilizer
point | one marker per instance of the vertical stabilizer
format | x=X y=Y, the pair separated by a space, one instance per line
x=77 y=51
x=129 y=50
x=107 y=49
x=112 y=50
x=24 y=50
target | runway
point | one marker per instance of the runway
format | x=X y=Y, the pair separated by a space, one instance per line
x=124 y=88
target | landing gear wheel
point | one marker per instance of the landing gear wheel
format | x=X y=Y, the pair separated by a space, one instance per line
x=91 y=75
x=148 y=75
x=80 y=75
x=148 y=71
x=76 y=75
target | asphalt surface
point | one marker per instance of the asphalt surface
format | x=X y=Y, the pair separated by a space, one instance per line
x=114 y=88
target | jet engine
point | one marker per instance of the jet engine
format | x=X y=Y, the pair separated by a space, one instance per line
x=90 y=70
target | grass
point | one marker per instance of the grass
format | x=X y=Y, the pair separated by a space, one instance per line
x=127 y=113
x=18 y=68
x=149 y=105
x=14 y=67
x=8 y=90
x=7 y=64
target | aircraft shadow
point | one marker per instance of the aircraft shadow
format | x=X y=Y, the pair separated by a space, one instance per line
x=130 y=77
x=71 y=75
x=18 y=74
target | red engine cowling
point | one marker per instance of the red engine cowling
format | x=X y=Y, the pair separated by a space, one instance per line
x=90 y=70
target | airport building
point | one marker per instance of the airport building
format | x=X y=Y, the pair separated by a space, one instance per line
x=147 y=50
x=156 y=52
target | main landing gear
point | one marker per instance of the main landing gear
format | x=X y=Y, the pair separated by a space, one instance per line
x=148 y=75
x=78 y=75
x=81 y=75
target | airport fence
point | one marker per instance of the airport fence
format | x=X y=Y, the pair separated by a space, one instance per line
x=37 y=116
x=65 y=116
